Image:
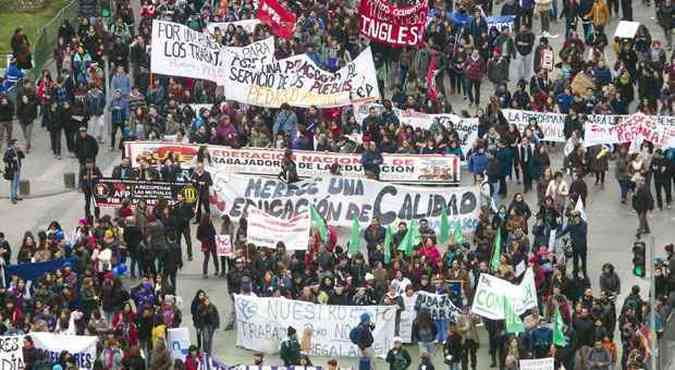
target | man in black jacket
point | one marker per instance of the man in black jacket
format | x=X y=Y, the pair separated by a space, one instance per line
x=203 y=181
x=89 y=176
x=6 y=119
x=663 y=172
x=124 y=171
x=26 y=110
x=183 y=212
x=86 y=147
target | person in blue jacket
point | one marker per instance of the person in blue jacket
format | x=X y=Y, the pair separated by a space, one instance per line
x=371 y=160
x=478 y=162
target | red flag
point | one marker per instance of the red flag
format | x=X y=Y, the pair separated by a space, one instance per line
x=280 y=20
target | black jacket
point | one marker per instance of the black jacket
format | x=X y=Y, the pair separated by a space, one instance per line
x=6 y=111
x=86 y=148
x=27 y=112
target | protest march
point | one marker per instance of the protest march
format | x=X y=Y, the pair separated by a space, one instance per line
x=363 y=184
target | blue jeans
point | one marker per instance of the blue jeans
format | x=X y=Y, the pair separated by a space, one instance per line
x=14 y=186
x=454 y=366
x=442 y=330
x=624 y=186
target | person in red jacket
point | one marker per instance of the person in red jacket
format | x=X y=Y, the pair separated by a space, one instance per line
x=193 y=359
x=474 y=68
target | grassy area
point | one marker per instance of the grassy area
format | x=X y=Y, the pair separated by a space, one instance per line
x=30 y=21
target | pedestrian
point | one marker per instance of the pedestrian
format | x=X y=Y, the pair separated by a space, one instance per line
x=86 y=147
x=398 y=357
x=643 y=202
x=362 y=337
x=453 y=349
x=663 y=171
x=424 y=332
x=207 y=314
x=173 y=261
x=206 y=234
x=6 y=119
x=193 y=359
x=203 y=181
x=578 y=230
x=13 y=159
x=26 y=111
x=290 y=348
x=89 y=176
x=94 y=107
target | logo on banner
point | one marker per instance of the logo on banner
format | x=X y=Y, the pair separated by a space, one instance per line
x=248 y=309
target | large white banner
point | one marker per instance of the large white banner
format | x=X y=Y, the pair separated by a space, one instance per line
x=11 y=352
x=399 y=168
x=339 y=200
x=247 y=24
x=300 y=82
x=82 y=347
x=265 y=230
x=488 y=303
x=178 y=341
x=262 y=324
x=538 y=364
x=177 y=50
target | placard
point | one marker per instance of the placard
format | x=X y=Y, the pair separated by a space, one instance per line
x=439 y=306
x=539 y=364
x=395 y=26
x=178 y=341
x=262 y=324
x=488 y=302
x=224 y=245
x=266 y=231
x=626 y=29
x=82 y=347
x=110 y=193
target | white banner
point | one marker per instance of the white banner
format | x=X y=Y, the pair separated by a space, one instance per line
x=262 y=324
x=399 y=168
x=178 y=341
x=488 y=302
x=247 y=24
x=339 y=200
x=551 y=124
x=265 y=230
x=539 y=364
x=299 y=82
x=439 y=305
x=11 y=352
x=82 y=347
x=177 y=50
x=467 y=128
x=631 y=129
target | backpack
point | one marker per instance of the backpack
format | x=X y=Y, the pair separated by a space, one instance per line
x=355 y=335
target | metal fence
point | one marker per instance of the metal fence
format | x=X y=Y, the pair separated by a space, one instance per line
x=43 y=47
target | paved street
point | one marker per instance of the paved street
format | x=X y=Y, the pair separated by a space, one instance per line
x=611 y=225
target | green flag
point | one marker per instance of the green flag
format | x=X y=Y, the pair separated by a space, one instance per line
x=559 y=338
x=388 y=238
x=319 y=223
x=411 y=239
x=513 y=323
x=459 y=237
x=444 y=232
x=355 y=240
x=497 y=251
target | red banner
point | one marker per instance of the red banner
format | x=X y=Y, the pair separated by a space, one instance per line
x=396 y=26
x=280 y=20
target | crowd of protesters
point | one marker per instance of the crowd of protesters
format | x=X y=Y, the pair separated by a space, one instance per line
x=88 y=295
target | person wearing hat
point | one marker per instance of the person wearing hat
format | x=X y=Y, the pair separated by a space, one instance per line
x=13 y=159
x=290 y=348
x=86 y=147
x=398 y=357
